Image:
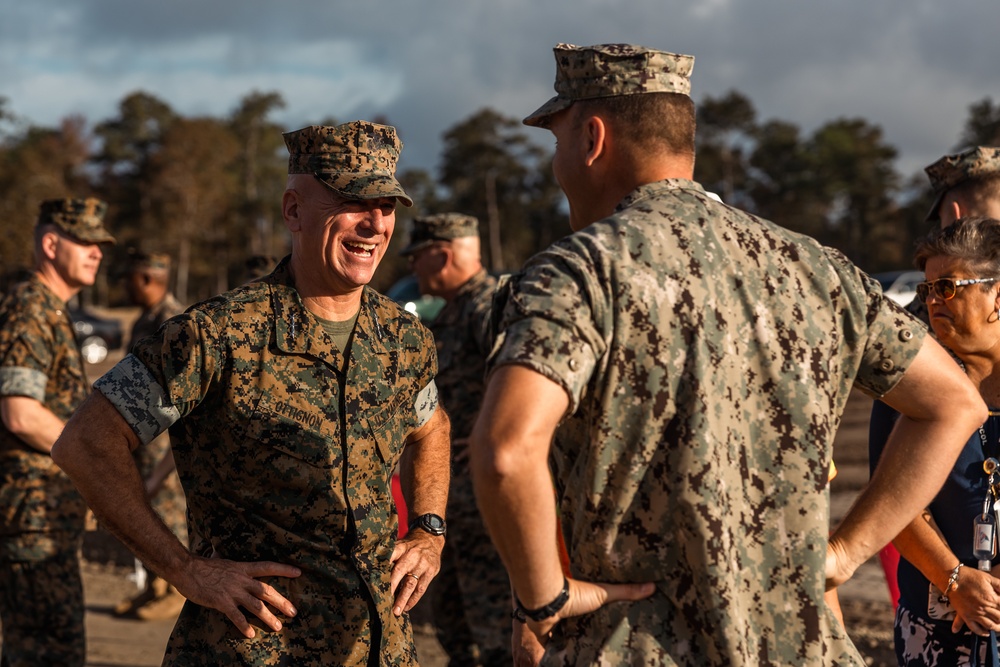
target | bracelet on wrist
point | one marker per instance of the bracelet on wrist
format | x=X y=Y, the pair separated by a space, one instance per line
x=547 y=611
x=952 y=581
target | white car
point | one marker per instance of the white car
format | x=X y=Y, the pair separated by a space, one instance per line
x=900 y=286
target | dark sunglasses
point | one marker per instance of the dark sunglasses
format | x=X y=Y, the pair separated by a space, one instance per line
x=946 y=288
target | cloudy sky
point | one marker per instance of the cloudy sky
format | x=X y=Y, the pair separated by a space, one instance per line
x=912 y=67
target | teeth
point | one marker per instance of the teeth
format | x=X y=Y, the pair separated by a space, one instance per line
x=365 y=247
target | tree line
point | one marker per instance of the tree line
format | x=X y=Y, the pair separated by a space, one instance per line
x=207 y=190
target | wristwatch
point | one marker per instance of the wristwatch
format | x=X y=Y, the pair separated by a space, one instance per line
x=430 y=523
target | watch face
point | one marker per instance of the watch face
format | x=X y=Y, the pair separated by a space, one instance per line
x=432 y=523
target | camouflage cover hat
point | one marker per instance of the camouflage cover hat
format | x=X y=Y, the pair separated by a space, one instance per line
x=356 y=160
x=609 y=70
x=82 y=219
x=951 y=170
x=156 y=261
x=427 y=229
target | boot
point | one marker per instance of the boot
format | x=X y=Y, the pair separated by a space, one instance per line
x=166 y=604
x=128 y=606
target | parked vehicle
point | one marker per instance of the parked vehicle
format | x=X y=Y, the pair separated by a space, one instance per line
x=406 y=292
x=900 y=286
x=96 y=335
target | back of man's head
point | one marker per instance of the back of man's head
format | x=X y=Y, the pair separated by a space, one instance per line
x=965 y=184
x=644 y=93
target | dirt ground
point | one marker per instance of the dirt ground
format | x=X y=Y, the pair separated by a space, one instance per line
x=114 y=642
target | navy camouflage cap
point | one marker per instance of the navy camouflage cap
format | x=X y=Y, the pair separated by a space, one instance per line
x=357 y=160
x=81 y=219
x=952 y=170
x=610 y=70
x=427 y=229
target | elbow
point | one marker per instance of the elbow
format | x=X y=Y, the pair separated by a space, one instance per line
x=979 y=410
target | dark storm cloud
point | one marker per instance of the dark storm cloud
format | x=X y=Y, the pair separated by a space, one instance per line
x=911 y=66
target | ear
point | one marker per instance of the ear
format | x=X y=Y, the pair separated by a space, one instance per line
x=290 y=210
x=596 y=137
x=49 y=242
x=445 y=258
x=956 y=209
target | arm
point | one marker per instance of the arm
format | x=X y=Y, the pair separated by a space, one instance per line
x=31 y=421
x=424 y=477
x=95 y=451
x=509 y=456
x=919 y=454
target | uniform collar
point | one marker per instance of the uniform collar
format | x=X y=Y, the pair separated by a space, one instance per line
x=298 y=331
x=651 y=189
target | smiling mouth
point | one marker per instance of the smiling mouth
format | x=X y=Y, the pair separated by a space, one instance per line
x=360 y=249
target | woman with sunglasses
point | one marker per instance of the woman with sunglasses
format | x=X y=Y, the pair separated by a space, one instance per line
x=946 y=601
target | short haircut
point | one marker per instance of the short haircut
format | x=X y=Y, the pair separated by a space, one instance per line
x=974 y=241
x=656 y=120
x=45 y=228
x=977 y=193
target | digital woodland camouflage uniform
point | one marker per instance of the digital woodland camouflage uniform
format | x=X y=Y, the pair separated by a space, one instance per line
x=708 y=356
x=472 y=591
x=41 y=512
x=283 y=454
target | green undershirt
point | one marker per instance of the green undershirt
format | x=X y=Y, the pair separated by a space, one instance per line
x=340 y=333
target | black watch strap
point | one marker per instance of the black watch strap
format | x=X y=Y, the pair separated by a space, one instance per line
x=551 y=609
x=430 y=523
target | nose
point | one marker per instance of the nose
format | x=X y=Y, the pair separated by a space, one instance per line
x=381 y=214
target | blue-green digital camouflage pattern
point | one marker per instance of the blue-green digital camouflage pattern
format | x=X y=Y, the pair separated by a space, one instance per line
x=285 y=458
x=951 y=170
x=472 y=590
x=41 y=512
x=708 y=356
x=168 y=502
x=610 y=70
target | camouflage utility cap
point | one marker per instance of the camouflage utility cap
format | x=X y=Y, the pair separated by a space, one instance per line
x=609 y=70
x=951 y=170
x=356 y=160
x=82 y=219
x=151 y=261
x=427 y=229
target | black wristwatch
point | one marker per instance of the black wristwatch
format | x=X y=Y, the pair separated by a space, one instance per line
x=430 y=523
x=551 y=609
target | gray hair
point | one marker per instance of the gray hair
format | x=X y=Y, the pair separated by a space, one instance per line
x=975 y=241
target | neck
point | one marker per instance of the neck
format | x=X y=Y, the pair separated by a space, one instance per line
x=323 y=301
x=51 y=279
x=629 y=171
x=451 y=291
x=336 y=308
x=984 y=372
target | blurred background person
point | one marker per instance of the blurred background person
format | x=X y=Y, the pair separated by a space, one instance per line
x=258 y=266
x=42 y=381
x=148 y=284
x=471 y=593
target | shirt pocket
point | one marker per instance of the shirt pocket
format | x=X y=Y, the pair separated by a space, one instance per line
x=300 y=432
